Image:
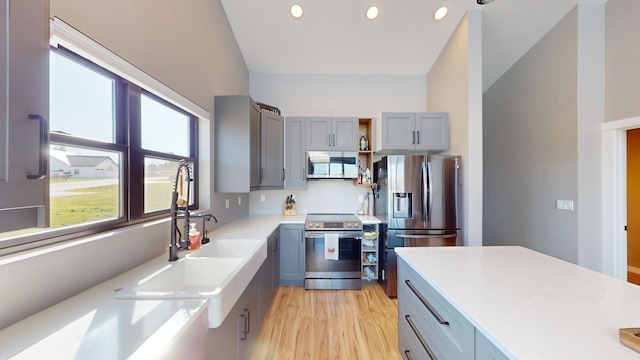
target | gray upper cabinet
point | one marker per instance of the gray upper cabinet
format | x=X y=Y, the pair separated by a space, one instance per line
x=337 y=133
x=271 y=150
x=246 y=140
x=23 y=163
x=406 y=132
x=295 y=157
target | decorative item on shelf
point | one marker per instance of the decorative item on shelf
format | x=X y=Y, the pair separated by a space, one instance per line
x=369 y=238
x=371 y=259
x=289 y=206
x=364 y=143
x=368 y=273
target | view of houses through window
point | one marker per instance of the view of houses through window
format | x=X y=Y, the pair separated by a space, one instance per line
x=91 y=136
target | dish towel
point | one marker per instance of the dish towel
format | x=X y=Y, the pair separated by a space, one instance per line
x=331 y=247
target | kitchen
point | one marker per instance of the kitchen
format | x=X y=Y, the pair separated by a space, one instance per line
x=375 y=94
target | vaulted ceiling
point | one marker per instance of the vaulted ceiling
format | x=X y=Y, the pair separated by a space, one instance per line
x=334 y=36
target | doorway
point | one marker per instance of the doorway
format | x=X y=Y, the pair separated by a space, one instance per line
x=633 y=206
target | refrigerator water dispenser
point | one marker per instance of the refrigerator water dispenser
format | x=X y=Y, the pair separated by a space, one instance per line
x=402 y=205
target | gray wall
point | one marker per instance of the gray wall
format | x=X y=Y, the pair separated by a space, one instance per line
x=622 y=59
x=192 y=50
x=530 y=147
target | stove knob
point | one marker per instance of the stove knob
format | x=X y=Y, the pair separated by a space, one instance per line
x=317 y=225
x=348 y=225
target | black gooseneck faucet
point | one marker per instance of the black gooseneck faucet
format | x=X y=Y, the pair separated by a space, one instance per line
x=180 y=210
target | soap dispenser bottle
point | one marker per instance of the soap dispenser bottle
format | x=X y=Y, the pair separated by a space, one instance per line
x=194 y=236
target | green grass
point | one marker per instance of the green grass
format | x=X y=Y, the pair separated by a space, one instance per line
x=103 y=204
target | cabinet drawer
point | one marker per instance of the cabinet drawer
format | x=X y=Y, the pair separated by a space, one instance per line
x=455 y=332
x=419 y=337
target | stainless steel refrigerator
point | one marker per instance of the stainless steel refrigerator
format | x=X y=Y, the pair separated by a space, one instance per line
x=417 y=200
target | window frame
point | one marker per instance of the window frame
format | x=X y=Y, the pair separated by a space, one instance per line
x=130 y=82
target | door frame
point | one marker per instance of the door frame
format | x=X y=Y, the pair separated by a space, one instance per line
x=614 y=195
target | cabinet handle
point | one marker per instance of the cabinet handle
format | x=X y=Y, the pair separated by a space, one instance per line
x=420 y=338
x=43 y=142
x=407 y=354
x=244 y=332
x=260 y=174
x=334 y=140
x=248 y=326
x=330 y=139
x=418 y=136
x=275 y=244
x=304 y=174
x=282 y=174
x=426 y=303
x=413 y=140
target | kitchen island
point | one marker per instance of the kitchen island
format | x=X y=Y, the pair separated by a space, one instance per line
x=521 y=303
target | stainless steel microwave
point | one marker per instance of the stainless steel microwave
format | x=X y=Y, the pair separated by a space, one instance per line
x=332 y=165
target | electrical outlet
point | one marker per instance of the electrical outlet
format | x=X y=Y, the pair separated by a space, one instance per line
x=564 y=205
x=239 y=200
x=226 y=203
x=360 y=198
x=262 y=198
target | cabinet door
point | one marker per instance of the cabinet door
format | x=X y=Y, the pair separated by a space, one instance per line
x=22 y=153
x=485 y=349
x=292 y=254
x=254 y=145
x=432 y=131
x=398 y=131
x=319 y=133
x=345 y=130
x=248 y=318
x=295 y=157
x=272 y=150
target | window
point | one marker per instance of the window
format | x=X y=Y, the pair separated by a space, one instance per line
x=113 y=150
x=98 y=120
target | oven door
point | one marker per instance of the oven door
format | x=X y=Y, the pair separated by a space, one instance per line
x=348 y=264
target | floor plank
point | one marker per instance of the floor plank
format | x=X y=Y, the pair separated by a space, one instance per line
x=329 y=324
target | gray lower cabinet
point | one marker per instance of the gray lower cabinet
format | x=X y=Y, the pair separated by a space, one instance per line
x=486 y=350
x=429 y=327
x=235 y=338
x=269 y=273
x=292 y=254
x=405 y=132
x=295 y=153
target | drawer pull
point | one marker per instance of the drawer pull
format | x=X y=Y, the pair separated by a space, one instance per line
x=425 y=303
x=422 y=341
x=407 y=354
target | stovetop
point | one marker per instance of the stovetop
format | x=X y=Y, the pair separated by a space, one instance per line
x=332 y=222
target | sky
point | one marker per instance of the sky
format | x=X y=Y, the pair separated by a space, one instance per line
x=81 y=104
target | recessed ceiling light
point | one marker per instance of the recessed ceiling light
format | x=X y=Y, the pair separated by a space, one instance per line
x=440 y=13
x=372 y=12
x=296 y=11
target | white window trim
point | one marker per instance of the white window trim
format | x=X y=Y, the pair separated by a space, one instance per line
x=72 y=39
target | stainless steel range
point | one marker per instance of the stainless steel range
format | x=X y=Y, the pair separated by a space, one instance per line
x=332 y=251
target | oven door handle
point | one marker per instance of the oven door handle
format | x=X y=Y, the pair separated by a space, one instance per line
x=340 y=235
x=434 y=236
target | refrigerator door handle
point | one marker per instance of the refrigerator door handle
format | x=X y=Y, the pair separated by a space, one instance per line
x=425 y=194
x=429 y=191
x=440 y=236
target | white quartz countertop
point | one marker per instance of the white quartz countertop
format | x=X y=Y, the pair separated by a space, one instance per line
x=96 y=325
x=530 y=305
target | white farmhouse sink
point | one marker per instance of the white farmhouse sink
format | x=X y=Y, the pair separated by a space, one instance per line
x=219 y=272
x=228 y=248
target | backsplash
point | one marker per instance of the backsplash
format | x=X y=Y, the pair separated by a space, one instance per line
x=322 y=196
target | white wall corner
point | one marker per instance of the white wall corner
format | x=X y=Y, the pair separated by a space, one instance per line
x=475 y=119
x=591 y=116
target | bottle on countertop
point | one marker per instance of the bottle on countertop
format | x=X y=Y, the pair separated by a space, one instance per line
x=194 y=236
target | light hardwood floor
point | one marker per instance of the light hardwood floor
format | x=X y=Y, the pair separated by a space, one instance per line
x=329 y=324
